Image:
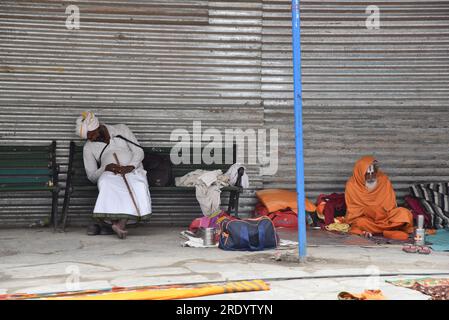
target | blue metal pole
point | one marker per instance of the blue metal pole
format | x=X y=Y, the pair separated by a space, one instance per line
x=296 y=43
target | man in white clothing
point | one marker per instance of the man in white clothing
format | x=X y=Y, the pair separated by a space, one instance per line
x=113 y=160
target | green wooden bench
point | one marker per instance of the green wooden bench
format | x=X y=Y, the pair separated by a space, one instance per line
x=28 y=169
x=167 y=199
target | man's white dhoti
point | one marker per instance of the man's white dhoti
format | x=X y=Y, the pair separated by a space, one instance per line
x=114 y=200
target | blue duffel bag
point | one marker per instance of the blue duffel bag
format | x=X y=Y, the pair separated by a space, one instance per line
x=248 y=235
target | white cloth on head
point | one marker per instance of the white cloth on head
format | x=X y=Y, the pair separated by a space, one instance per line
x=85 y=123
x=233 y=173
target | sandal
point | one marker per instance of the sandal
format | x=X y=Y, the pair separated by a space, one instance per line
x=424 y=250
x=410 y=248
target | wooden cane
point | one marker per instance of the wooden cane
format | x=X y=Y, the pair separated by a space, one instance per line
x=127 y=186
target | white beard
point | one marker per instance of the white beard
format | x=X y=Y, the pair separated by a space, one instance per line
x=371 y=185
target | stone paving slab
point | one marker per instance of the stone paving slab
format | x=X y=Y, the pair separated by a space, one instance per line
x=39 y=260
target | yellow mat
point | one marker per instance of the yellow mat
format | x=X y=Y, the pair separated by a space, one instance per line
x=168 y=294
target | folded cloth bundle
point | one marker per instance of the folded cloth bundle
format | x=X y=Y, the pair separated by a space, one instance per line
x=365 y=295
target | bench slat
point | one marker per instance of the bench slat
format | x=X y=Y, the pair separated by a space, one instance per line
x=79 y=181
x=23 y=179
x=4 y=148
x=190 y=189
x=27 y=187
x=26 y=155
x=24 y=164
x=163 y=189
x=25 y=171
x=178 y=170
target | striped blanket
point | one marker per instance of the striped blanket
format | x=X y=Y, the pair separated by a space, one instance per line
x=434 y=198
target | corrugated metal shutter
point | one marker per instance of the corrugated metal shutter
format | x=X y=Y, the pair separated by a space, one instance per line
x=154 y=65
x=158 y=65
x=382 y=92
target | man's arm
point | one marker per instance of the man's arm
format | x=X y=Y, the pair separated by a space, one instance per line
x=137 y=153
x=90 y=165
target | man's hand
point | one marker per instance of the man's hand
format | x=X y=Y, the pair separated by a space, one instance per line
x=126 y=169
x=114 y=168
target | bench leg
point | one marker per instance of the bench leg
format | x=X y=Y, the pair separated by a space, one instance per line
x=65 y=210
x=231 y=202
x=236 y=204
x=54 y=211
x=233 y=206
x=234 y=196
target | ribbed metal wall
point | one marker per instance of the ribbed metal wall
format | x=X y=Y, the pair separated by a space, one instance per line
x=154 y=65
x=382 y=92
x=159 y=65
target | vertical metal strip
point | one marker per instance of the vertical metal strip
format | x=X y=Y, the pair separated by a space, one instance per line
x=296 y=42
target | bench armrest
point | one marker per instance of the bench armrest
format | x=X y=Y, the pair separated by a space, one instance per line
x=240 y=173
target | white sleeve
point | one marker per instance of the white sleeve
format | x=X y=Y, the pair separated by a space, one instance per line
x=90 y=165
x=137 y=152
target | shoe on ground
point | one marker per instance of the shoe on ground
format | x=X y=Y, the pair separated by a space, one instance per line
x=93 y=229
x=106 y=229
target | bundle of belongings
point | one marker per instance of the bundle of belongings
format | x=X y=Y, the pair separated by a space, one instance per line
x=331 y=211
x=281 y=207
x=432 y=201
x=248 y=234
x=233 y=234
x=208 y=186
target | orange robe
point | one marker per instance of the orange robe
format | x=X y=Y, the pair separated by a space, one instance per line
x=375 y=211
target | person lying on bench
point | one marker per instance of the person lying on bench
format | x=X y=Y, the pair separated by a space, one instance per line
x=371 y=203
x=113 y=160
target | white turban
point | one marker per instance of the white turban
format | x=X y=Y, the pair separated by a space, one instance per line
x=85 y=123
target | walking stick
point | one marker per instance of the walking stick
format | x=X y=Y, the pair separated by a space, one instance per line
x=127 y=186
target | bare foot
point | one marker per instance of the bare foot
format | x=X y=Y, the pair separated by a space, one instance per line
x=367 y=234
x=122 y=224
x=120 y=233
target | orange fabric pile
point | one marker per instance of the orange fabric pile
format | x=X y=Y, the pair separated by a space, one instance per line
x=280 y=199
x=375 y=211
